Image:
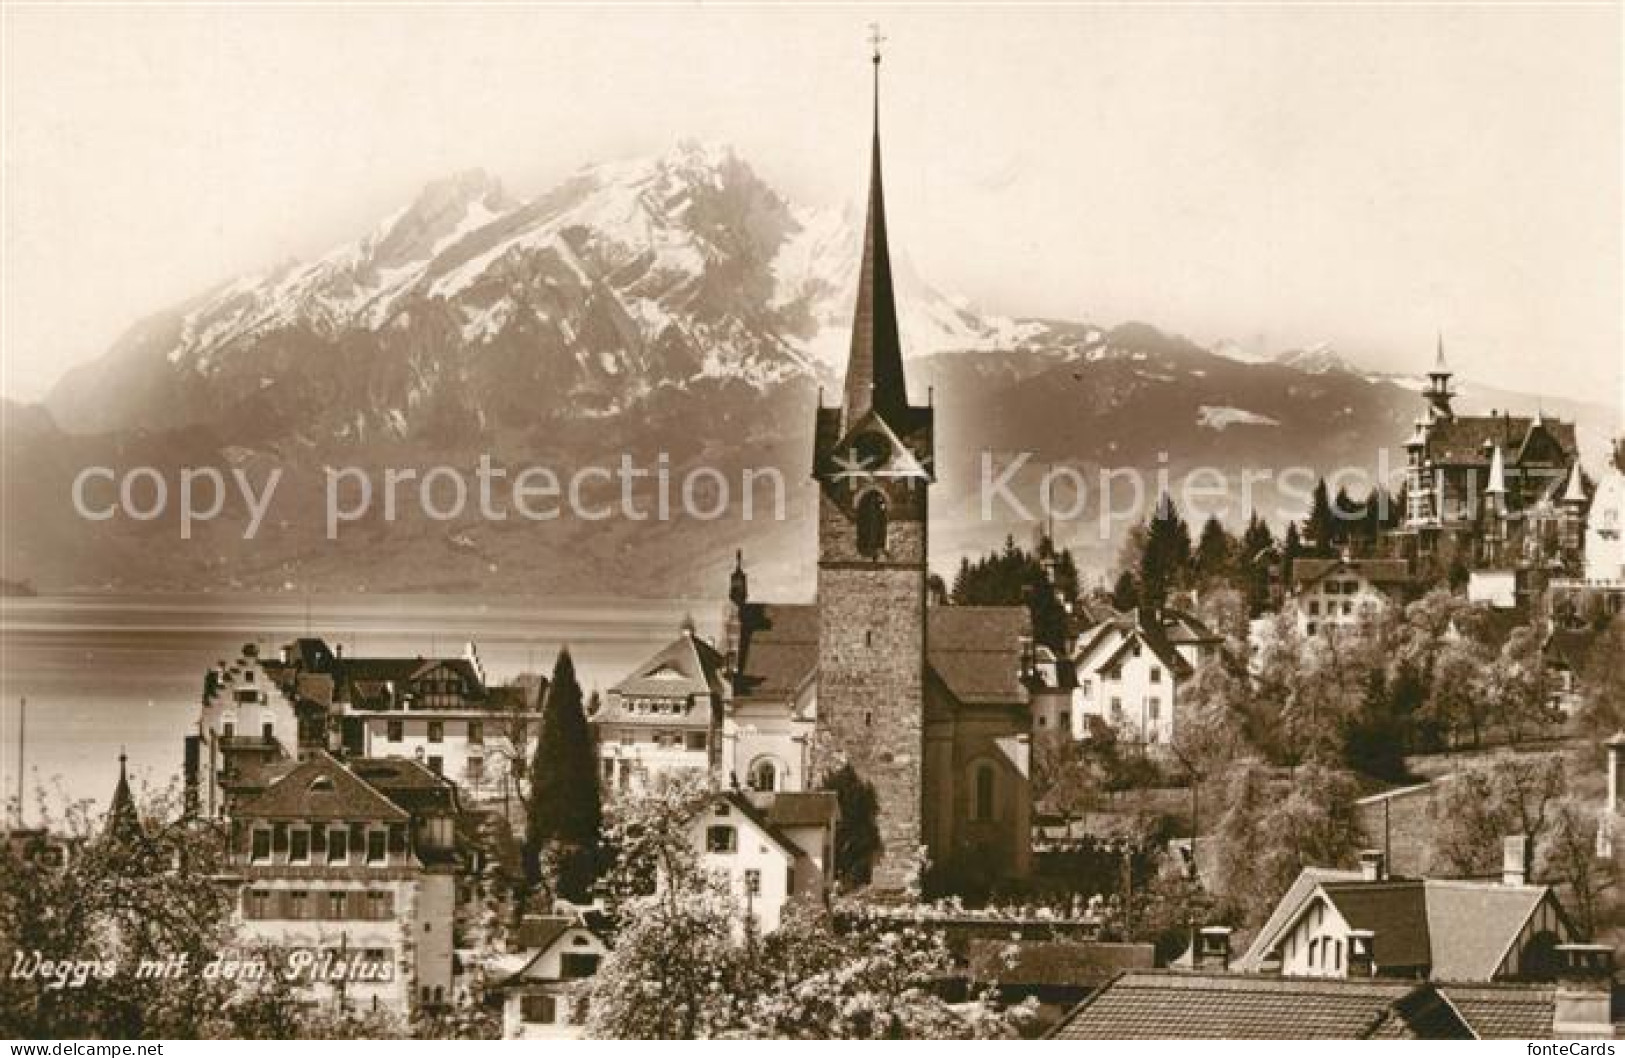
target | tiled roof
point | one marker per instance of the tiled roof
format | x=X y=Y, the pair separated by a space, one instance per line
x=976 y=651
x=688 y=665
x=801 y=809
x=409 y=784
x=1462 y=440
x=538 y=932
x=1473 y=925
x=1505 y=1011
x=1084 y=964
x=779 y=649
x=1157 y=1005
x=1286 y=912
x=1459 y=930
x=320 y=788
x=1395 y=911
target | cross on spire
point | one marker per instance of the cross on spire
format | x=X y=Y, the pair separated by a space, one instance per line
x=876 y=39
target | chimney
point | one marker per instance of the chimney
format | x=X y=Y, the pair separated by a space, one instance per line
x=1373 y=865
x=1362 y=953
x=1212 y=949
x=338 y=651
x=1515 y=860
x=1585 y=992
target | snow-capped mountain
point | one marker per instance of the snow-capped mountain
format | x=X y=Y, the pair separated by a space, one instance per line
x=468 y=303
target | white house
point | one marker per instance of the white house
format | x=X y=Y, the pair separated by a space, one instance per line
x=1605 y=527
x=771 y=849
x=1128 y=672
x=351 y=871
x=542 y=999
x=664 y=719
x=1344 y=594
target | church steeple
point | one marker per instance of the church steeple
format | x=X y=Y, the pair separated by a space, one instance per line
x=874 y=370
x=122 y=821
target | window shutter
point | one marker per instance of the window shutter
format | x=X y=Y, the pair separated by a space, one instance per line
x=318 y=839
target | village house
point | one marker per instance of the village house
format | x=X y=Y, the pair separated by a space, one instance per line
x=664 y=719
x=258 y=712
x=1129 y=669
x=542 y=998
x=1342 y=595
x=353 y=868
x=1376 y=925
x=771 y=849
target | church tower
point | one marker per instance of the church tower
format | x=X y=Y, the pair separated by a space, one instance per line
x=872 y=460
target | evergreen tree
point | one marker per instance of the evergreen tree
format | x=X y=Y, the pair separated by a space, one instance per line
x=1215 y=552
x=1165 y=565
x=1126 y=592
x=1012 y=576
x=1321 y=528
x=1257 y=555
x=1291 y=549
x=566 y=816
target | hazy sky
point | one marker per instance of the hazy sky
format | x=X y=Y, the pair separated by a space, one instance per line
x=1363 y=176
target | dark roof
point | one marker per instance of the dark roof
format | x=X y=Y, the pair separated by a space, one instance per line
x=1379 y=571
x=1569 y=647
x=1395 y=911
x=1462 y=440
x=1454 y=929
x=1084 y=964
x=320 y=788
x=801 y=809
x=778 y=650
x=976 y=651
x=408 y=783
x=1162 y=1004
x=1505 y=1011
x=538 y=932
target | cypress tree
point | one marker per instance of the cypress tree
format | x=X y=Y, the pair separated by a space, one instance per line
x=566 y=816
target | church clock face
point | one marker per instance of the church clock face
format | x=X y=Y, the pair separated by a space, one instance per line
x=872 y=451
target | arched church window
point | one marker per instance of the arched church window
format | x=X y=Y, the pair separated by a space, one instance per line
x=982 y=809
x=871 y=524
x=764 y=775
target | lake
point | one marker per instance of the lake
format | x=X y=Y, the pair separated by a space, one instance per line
x=104 y=671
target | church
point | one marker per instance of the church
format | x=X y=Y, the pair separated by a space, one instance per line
x=928 y=704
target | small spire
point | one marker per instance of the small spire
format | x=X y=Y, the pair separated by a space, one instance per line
x=1498 y=479
x=874 y=369
x=1439 y=366
x=122 y=820
x=1576 y=490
